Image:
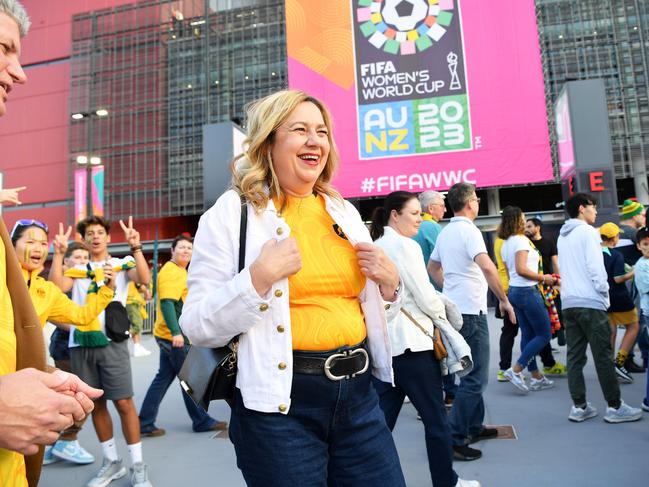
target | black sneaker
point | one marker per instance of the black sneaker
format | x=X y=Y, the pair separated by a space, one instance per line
x=633 y=368
x=485 y=434
x=645 y=405
x=623 y=375
x=465 y=453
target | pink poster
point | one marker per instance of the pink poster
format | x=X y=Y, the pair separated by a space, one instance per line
x=425 y=93
x=80 y=194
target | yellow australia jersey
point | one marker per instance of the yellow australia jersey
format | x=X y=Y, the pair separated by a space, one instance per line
x=52 y=304
x=12 y=464
x=172 y=284
x=323 y=296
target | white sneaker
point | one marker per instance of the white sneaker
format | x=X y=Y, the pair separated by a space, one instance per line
x=582 y=414
x=541 y=384
x=140 y=351
x=139 y=476
x=467 y=483
x=517 y=380
x=108 y=472
x=623 y=414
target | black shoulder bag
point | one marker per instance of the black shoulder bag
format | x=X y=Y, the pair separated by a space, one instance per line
x=208 y=374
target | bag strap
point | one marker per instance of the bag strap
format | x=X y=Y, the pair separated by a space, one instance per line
x=243 y=231
x=411 y=318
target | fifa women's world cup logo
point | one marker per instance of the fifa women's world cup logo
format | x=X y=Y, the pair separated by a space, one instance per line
x=410 y=77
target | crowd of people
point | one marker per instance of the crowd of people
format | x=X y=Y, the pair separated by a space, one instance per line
x=336 y=324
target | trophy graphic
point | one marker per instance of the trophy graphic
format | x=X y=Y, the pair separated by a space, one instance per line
x=452 y=67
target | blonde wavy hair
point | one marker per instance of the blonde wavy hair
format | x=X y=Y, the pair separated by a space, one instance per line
x=253 y=171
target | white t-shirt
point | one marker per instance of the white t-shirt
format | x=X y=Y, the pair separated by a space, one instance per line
x=80 y=289
x=458 y=244
x=514 y=244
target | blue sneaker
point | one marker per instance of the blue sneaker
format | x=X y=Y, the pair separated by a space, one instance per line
x=48 y=457
x=72 y=451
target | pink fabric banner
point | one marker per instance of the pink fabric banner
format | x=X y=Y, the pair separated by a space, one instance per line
x=425 y=93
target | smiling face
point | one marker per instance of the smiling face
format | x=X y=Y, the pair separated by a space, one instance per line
x=300 y=149
x=11 y=72
x=97 y=240
x=182 y=253
x=407 y=222
x=31 y=248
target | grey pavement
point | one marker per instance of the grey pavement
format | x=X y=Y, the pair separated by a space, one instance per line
x=550 y=451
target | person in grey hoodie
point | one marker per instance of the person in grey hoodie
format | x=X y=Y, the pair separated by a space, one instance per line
x=584 y=291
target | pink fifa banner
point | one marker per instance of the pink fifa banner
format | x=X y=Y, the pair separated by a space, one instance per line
x=425 y=93
x=81 y=192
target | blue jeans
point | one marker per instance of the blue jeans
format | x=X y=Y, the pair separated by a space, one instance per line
x=171 y=361
x=467 y=413
x=333 y=435
x=418 y=375
x=534 y=322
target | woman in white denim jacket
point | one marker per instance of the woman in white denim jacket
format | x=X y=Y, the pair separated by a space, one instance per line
x=417 y=373
x=294 y=421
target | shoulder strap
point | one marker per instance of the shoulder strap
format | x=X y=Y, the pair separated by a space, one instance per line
x=411 y=318
x=243 y=228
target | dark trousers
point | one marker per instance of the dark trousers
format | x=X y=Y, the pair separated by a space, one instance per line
x=333 y=435
x=418 y=375
x=171 y=361
x=508 y=333
x=585 y=326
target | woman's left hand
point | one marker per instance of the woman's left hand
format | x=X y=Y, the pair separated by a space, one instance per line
x=375 y=265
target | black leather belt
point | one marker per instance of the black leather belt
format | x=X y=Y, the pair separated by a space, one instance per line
x=343 y=364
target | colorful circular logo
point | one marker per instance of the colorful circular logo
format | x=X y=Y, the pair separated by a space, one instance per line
x=404 y=27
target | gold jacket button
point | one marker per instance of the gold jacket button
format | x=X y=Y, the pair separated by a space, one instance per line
x=281 y=366
x=278 y=293
x=280 y=328
x=282 y=408
x=263 y=307
x=387 y=306
x=279 y=231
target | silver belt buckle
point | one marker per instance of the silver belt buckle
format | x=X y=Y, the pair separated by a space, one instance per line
x=347 y=353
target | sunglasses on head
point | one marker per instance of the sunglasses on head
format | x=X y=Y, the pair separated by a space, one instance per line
x=29 y=223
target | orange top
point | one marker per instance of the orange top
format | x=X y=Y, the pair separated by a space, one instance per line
x=323 y=296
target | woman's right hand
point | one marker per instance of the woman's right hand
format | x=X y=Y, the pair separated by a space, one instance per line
x=277 y=260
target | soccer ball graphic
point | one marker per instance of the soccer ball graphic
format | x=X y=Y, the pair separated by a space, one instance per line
x=404 y=15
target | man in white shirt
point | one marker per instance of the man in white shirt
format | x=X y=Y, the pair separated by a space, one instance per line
x=461 y=266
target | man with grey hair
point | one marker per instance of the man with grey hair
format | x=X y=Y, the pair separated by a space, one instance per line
x=433 y=209
x=34 y=405
x=461 y=266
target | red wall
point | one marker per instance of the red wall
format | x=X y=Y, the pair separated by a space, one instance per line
x=34 y=132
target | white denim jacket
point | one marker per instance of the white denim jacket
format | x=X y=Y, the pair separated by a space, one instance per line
x=223 y=303
x=424 y=304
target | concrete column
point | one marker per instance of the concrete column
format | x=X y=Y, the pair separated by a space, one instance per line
x=493 y=201
x=640 y=181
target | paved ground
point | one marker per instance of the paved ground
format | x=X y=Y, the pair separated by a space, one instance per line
x=550 y=451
